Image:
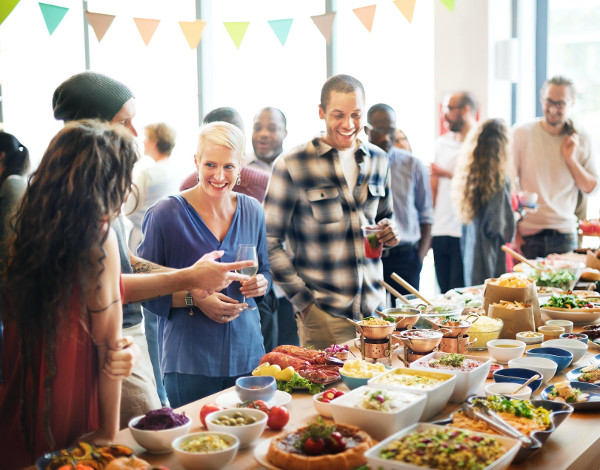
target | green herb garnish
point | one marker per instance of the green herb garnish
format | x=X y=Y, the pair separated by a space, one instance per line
x=373 y=240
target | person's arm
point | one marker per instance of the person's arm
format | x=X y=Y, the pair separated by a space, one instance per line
x=424 y=206
x=584 y=179
x=390 y=235
x=425 y=241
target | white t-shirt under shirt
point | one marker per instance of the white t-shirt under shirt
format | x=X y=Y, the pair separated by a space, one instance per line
x=542 y=169
x=349 y=166
x=446 y=222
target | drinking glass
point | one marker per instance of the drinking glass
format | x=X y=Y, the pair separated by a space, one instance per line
x=244 y=253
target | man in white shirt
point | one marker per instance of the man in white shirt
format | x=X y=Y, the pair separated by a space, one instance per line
x=556 y=162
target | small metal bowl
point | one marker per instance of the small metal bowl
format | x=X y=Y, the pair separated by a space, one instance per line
x=404 y=317
x=422 y=340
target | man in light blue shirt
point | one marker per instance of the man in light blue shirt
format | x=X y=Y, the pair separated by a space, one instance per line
x=413 y=203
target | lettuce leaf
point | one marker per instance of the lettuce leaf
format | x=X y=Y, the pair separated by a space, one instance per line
x=299 y=382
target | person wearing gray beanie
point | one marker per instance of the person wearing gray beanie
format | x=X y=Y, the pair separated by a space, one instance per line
x=92 y=95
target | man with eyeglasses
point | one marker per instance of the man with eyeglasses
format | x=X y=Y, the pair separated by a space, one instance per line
x=556 y=162
x=460 y=112
x=411 y=192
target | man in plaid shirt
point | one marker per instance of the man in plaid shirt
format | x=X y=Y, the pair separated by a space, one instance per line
x=320 y=195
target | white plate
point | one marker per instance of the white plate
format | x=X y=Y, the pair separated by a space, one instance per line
x=578 y=318
x=231 y=399
x=260 y=454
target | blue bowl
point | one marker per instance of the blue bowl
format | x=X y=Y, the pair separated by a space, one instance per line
x=518 y=375
x=562 y=357
x=579 y=336
x=354 y=382
x=259 y=387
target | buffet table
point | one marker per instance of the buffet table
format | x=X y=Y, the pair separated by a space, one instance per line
x=574 y=445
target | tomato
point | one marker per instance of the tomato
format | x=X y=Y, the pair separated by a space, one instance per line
x=207 y=409
x=259 y=405
x=314 y=446
x=335 y=443
x=329 y=394
x=278 y=417
x=325 y=400
x=338 y=393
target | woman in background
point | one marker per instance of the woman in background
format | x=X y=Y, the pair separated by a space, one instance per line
x=481 y=191
x=62 y=296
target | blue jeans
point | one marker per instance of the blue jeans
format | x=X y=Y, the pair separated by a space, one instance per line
x=541 y=244
x=187 y=388
x=447 y=258
x=154 y=346
x=405 y=262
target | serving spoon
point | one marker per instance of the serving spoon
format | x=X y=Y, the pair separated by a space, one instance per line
x=527 y=382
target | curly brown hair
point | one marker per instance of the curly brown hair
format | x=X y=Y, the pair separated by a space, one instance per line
x=482 y=169
x=56 y=250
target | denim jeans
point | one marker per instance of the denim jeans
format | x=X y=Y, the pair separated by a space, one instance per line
x=447 y=258
x=548 y=241
x=405 y=262
x=154 y=345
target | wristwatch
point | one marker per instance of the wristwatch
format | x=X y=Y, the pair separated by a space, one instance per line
x=189 y=301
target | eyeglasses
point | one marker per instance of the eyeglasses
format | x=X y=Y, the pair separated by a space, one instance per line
x=557 y=104
x=382 y=130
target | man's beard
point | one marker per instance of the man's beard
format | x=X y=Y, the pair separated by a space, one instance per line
x=457 y=126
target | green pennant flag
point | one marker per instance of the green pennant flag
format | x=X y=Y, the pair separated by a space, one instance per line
x=237 y=30
x=53 y=15
x=449 y=4
x=6 y=6
x=281 y=28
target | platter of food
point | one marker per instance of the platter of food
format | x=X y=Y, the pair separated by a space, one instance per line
x=580 y=395
x=83 y=454
x=571 y=307
x=588 y=374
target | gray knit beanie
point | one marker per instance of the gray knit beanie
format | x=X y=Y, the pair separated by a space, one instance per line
x=89 y=95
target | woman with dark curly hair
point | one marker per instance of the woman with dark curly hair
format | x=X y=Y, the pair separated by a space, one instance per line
x=62 y=296
x=482 y=198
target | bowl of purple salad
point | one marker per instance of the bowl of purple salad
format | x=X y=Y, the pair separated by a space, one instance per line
x=156 y=430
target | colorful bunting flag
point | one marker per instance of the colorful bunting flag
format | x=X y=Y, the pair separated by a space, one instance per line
x=192 y=30
x=366 y=15
x=281 y=28
x=325 y=24
x=449 y=4
x=406 y=7
x=146 y=27
x=53 y=15
x=6 y=6
x=99 y=22
x=237 y=31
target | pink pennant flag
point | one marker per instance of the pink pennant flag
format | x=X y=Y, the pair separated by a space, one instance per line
x=366 y=15
x=325 y=24
x=146 y=27
x=192 y=30
x=99 y=22
x=406 y=7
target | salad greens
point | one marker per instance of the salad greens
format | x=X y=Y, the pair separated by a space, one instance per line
x=561 y=279
x=568 y=301
x=296 y=382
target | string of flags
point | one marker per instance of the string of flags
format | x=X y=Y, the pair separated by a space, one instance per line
x=192 y=30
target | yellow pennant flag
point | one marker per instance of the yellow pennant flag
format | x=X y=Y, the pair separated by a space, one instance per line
x=366 y=15
x=146 y=27
x=99 y=22
x=406 y=7
x=192 y=30
x=237 y=31
x=449 y=4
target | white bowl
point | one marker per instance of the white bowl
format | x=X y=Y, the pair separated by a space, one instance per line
x=323 y=408
x=246 y=433
x=535 y=337
x=544 y=366
x=438 y=394
x=574 y=346
x=467 y=382
x=379 y=424
x=374 y=459
x=506 y=388
x=503 y=350
x=206 y=461
x=566 y=324
x=157 y=442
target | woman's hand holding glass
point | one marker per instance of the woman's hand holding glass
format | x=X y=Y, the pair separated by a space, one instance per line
x=256 y=286
x=221 y=308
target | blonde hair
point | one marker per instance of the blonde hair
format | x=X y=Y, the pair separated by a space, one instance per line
x=163 y=134
x=482 y=169
x=221 y=133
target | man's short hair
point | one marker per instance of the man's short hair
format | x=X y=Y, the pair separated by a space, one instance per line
x=225 y=114
x=559 y=80
x=379 y=107
x=273 y=110
x=163 y=134
x=342 y=84
x=468 y=99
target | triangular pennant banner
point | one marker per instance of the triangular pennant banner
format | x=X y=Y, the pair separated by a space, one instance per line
x=366 y=15
x=281 y=28
x=53 y=15
x=146 y=27
x=449 y=4
x=192 y=30
x=325 y=24
x=406 y=7
x=100 y=23
x=6 y=6
x=237 y=31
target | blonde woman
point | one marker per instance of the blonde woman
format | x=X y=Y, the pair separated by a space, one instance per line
x=481 y=190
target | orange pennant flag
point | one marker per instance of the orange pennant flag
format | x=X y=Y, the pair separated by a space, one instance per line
x=325 y=24
x=100 y=22
x=366 y=15
x=146 y=27
x=406 y=7
x=192 y=30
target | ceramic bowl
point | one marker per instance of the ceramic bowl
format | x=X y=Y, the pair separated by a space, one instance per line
x=246 y=433
x=517 y=375
x=256 y=387
x=353 y=382
x=551 y=331
x=206 y=460
x=323 y=408
x=157 y=442
x=543 y=365
x=566 y=324
x=579 y=336
x=503 y=350
x=574 y=346
x=530 y=337
x=507 y=388
x=562 y=357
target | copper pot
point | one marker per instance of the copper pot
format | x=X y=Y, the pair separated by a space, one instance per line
x=455 y=344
